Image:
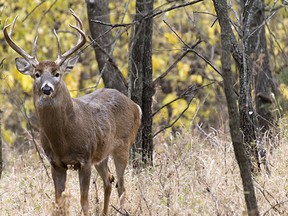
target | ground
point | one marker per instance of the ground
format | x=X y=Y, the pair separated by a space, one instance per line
x=192 y=175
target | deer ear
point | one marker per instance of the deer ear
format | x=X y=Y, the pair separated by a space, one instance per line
x=23 y=66
x=69 y=64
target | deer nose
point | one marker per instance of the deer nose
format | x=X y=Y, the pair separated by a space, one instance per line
x=46 y=89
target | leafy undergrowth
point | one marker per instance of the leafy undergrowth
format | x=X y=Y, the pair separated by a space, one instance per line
x=191 y=176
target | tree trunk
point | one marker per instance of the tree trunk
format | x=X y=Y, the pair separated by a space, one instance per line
x=140 y=80
x=234 y=123
x=259 y=58
x=248 y=119
x=111 y=75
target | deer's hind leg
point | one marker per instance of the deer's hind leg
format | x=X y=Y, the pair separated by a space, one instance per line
x=121 y=160
x=103 y=170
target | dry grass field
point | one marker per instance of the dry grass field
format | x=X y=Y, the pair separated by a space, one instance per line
x=191 y=176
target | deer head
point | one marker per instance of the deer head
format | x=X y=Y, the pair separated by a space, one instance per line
x=47 y=74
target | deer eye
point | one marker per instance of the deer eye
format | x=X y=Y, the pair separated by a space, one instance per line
x=57 y=75
x=37 y=75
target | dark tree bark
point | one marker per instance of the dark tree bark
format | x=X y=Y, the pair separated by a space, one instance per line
x=140 y=79
x=234 y=123
x=111 y=75
x=259 y=58
x=248 y=120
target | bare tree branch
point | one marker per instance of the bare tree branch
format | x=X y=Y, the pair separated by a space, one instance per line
x=148 y=16
x=171 y=67
x=170 y=125
x=192 y=48
x=33 y=10
x=186 y=93
x=171 y=8
x=185 y=44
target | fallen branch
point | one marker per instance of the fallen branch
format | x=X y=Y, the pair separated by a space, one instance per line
x=273 y=207
x=119 y=211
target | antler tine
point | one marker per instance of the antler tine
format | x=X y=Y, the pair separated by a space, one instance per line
x=34 y=47
x=79 y=23
x=12 y=26
x=31 y=59
x=58 y=45
x=81 y=40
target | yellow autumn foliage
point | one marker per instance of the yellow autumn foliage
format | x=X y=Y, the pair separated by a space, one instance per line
x=284 y=90
x=195 y=78
x=162 y=114
x=183 y=70
x=8 y=136
x=171 y=38
x=158 y=63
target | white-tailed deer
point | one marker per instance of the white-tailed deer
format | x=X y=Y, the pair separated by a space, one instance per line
x=79 y=132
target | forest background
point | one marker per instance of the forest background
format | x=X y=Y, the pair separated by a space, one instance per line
x=196 y=74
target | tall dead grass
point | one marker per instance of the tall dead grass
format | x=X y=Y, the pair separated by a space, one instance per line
x=191 y=175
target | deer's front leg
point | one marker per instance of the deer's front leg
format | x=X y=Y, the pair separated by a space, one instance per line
x=59 y=178
x=84 y=179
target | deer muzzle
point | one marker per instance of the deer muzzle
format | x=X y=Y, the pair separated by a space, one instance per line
x=47 y=89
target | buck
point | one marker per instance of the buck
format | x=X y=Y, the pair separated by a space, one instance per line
x=79 y=132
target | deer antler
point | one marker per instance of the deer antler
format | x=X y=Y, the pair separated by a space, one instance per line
x=31 y=59
x=81 y=40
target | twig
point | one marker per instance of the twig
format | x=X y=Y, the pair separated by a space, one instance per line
x=170 y=125
x=172 y=8
x=148 y=16
x=118 y=211
x=42 y=17
x=2 y=62
x=34 y=140
x=188 y=90
x=207 y=61
x=272 y=207
x=192 y=49
x=32 y=11
x=208 y=136
x=183 y=94
x=206 y=13
x=186 y=45
x=1 y=67
x=176 y=62
x=117 y=25
x=171 y=67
